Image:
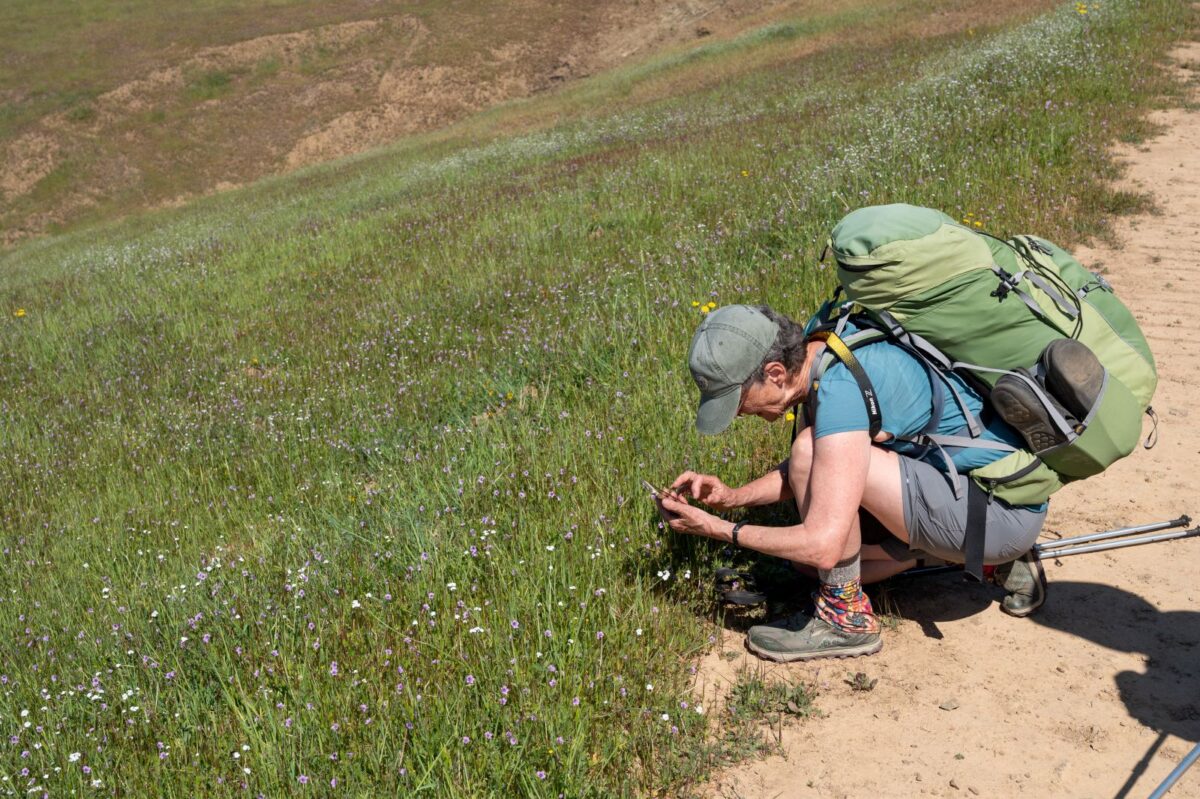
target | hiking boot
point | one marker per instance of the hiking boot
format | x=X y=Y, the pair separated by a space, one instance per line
x=1025 y=582
x=1074 y=375
x=803 y=636
x=1021 y=407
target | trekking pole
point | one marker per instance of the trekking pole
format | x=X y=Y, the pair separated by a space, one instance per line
x=1182 y=521
x=1174 y=776
x=1082 y=544
x=929 y=571
x=1121 y=544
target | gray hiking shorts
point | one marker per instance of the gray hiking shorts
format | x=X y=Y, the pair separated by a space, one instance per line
x=936 y=521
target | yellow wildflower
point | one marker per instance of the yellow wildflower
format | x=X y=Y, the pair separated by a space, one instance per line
x=791 y=417
x=978 y=223
x=19 y=313
x=705 y=309
x=695 y=303
x=745 y=173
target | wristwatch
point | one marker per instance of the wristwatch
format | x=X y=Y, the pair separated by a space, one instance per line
x=736 y=528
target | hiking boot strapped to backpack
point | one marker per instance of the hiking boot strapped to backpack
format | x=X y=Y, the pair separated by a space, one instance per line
x=1060 y=358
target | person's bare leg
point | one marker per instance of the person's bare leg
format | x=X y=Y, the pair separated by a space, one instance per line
x=878 y=565
x=882 y=497
x=841 y=602
x=842 y=624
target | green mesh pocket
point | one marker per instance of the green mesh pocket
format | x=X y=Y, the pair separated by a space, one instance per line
x=1019 y=478
x=1111 y=434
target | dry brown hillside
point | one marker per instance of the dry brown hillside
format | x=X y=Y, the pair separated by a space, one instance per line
x=108 y=109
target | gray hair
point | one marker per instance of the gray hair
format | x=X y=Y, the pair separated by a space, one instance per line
x=788 y=349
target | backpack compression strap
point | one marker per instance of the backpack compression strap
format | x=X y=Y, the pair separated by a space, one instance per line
x=842 y=353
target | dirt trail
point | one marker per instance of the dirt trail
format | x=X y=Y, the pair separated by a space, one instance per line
x=1098 y=695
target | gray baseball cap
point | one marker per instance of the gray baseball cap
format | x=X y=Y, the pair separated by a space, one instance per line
x=728 y=346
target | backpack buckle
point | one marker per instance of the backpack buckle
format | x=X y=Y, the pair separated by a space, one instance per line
x=1007 y=283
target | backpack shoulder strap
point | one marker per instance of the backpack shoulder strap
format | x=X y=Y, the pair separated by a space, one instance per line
x=843 y=351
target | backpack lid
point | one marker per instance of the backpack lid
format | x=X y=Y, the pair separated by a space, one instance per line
x=886 y=253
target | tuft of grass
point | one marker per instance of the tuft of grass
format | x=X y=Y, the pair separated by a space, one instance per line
x=208 y=85
x=750 y=723
x=82 y=113
x=267 y=68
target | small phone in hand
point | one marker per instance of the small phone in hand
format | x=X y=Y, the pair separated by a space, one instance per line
x=658 y=495
x=654 y=492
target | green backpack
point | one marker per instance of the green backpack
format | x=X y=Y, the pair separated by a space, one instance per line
x=1021 y=320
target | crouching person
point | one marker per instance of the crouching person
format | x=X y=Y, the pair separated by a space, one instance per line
x=751 y=361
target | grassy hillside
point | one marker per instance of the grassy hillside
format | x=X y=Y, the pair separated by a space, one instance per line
x=110 y=108
x=331 y=485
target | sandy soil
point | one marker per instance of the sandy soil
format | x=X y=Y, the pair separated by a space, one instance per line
x=1097 y=695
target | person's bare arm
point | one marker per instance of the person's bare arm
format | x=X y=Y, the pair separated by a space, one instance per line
x=837 y=482
x=771 y=487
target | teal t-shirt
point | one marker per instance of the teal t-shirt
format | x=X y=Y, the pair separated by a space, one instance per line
x=905 y=403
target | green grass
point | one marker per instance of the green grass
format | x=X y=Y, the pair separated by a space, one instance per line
x=225 y=101
x=393 y=413
x=209 y=84
x=752 y=716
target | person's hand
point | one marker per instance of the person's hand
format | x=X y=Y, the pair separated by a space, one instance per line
x=684 y=518
x=708 y=489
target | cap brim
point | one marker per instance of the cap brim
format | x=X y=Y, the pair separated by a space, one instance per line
x=716 y=413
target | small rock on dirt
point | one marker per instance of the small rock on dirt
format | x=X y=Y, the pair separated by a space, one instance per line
x=949 y=704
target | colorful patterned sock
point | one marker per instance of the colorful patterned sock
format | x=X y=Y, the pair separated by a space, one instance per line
x=844 y=605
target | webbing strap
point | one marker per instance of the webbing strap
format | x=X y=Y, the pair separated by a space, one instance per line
x=1011 y=284
x=931 y=356
x=1032 y=305
x=939 y=400
x=973 y=425
x=843 y=354
x=1036 y=279
x=950 y=472
x=965 y=442
x=1067 y=430
x=974 y=537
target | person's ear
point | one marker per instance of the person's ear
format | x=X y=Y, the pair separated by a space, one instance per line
x=775 y=372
